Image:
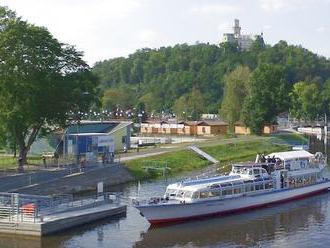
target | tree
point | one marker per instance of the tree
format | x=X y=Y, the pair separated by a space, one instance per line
x=306 y=101
x=41 y=81
x=237 y=87
x=122 y=97
x=325 y=97
x=190 y=105
x=269 y=96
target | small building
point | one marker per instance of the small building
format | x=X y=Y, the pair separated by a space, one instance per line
x=207 y=127
x=240 y=128
x=96 y=137
x=270 y=128
x=161 y=127
x=212 y=127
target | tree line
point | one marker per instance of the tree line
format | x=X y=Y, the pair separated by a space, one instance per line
x=249 y=86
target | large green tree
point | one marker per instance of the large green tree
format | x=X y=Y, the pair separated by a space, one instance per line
x=306 y=101
x=269 y=96
x=41 y=81
x=122 y=97
x=190 y=106
x=325 y=97
x=237 y=88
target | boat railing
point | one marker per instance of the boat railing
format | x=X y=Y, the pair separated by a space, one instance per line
x=149 y=201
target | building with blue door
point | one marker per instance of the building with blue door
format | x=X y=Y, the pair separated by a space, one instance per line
x=90 y=138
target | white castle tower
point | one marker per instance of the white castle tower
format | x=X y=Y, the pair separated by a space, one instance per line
x=243 y=42
x=237 y=29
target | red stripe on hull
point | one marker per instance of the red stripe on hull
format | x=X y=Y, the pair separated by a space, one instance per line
x=183 y=219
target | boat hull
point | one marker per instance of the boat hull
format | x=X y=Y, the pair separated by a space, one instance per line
x=167 y=213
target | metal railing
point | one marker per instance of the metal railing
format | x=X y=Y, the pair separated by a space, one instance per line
x=15 y=208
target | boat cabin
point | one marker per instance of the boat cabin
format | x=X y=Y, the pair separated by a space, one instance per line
x=240 y=181
x=286 y=170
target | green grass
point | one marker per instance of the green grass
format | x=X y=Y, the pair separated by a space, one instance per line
x=243 y=151
x=179 y=161
x=9 y=162
x=186 y=160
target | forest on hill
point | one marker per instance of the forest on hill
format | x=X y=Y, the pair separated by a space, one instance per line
x=250 y=86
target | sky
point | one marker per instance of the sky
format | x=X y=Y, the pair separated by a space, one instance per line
x=105 y=29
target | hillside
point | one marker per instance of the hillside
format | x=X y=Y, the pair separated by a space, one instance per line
x=165 y=78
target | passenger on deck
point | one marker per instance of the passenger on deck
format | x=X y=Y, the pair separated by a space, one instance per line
x=262 y=158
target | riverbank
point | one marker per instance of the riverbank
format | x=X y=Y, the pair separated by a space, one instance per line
x=186 y=160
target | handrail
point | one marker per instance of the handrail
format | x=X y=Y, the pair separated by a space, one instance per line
x=16 y=208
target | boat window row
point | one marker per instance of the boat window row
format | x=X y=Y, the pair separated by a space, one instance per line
x=235 y=189
x=303 y=180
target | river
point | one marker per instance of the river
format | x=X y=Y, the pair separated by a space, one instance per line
x=303 y=223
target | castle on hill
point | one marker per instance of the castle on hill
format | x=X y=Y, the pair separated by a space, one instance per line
x=243 y=42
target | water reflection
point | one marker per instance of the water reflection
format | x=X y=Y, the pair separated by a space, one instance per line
x=252 y=228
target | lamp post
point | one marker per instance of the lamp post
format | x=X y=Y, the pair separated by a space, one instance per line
x=77 y=138
x=140 y=120
x=78 y=117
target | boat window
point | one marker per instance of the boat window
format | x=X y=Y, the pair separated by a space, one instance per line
x=256 y=171
x=214 y=193
x=225 y=184
x=249 y=187
x=195 y=195
x=269 y=185
x=170 y=192
x=237 y=190
x=259 y=186
x=188 y=194
x=227 y=192
x=250 y=172
x=248 y=181
x=204 y=194
x=215 y=186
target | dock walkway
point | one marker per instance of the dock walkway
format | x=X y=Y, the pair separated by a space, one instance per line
x=19 y=216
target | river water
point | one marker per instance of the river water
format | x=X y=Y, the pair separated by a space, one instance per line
x=303 y=223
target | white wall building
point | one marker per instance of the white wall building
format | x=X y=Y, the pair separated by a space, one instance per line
x=244 y=42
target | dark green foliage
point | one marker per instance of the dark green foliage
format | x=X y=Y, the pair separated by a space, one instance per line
x=306 y=102
x=41 y=81
x=268 y=96
x=160 y=77
x=237 y=88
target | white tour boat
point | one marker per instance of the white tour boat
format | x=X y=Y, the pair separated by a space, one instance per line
x=287 y=176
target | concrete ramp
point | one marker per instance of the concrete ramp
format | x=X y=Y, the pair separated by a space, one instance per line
x=203 y=154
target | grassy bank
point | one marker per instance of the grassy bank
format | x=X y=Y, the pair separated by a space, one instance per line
x=185 y=160
x=9 y=162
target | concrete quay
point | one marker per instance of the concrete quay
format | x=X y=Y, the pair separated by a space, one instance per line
x=59 y=182
x=58 y=222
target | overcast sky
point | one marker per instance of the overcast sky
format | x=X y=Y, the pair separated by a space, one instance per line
x=105 y=29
